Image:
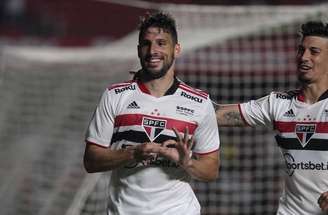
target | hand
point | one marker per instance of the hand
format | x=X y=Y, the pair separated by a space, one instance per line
x=323 y=201
x=144 y=151
x=181 y=154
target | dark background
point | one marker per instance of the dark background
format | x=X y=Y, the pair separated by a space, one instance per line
x=85 y=22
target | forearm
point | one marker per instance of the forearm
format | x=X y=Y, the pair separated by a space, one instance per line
x=100 y=159
x=229 y=115
x=203 y=169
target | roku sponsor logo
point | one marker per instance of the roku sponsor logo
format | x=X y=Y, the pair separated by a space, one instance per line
x=283 y=96
x=193 y=98
x=130 y=87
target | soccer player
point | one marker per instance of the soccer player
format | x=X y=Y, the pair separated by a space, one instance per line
x=154 y=133
x=300 y=118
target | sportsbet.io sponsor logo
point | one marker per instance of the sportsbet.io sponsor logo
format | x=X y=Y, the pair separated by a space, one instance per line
x=153 y=161
x=291 y=165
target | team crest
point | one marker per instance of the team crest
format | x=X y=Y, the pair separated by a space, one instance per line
x=153 y=127
x=304 y=132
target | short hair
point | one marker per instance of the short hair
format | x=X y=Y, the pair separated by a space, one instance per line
x=160 y=20
x=314 y=28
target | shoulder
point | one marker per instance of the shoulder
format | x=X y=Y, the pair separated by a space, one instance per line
x=193 y=93
x=119 y=88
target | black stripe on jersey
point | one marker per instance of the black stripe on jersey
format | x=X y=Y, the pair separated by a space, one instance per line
x=138 y=137
x=173 y=88
x=323 y=96
x=294 y=143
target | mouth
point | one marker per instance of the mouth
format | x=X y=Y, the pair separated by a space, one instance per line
x=153 y=61
x=304 y=67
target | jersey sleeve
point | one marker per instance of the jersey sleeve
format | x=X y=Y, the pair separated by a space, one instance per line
x=207 y=133
x=258 y=112
x=100 y=129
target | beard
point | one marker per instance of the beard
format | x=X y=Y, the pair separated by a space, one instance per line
x=303 y=80
x=152 y=74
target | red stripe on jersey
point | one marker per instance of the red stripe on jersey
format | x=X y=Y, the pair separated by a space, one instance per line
x=206 y=153
x=143 y=87
x=301 y=97
x=136 y=119
x=284 y=127
x=120 y=85
x=191 y=90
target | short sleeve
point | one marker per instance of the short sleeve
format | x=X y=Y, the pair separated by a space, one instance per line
x=257 y=112
x=100 y=129
x=207 y=133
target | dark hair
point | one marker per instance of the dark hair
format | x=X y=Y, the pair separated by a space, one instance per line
x=160 y=20
x=314 y=28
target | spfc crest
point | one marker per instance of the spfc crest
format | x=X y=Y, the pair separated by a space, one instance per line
x=153 y=127
x=304 y=132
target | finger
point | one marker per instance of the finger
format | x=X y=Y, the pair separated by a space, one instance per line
x=190 y=143
x=186 y=135
x=323 y=201
x=144 y=150
x=169 y=143
x=324 y=206
x=177 y=134
x=322 y=197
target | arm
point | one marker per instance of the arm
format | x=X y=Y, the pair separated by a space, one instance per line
x=99 y=159
x=229 y=115
x=201 y=167
x=204 y=167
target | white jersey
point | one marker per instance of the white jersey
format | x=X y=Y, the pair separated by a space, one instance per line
x=128 y=115
x=302 y=135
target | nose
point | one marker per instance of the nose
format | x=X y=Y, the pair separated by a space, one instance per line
x=304 y=56
x=153 y=48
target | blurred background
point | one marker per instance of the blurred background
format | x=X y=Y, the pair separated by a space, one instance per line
x=87 y=22
x=57 y=57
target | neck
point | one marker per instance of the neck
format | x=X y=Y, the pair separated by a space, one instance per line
x=158 y=87
x=312 y=92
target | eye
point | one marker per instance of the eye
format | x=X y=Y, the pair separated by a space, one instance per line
x=144 y=43
x=315 y=51
x=161 y=43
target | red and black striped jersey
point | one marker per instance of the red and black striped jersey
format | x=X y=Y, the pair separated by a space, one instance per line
x=302 y=135
x=128 y=115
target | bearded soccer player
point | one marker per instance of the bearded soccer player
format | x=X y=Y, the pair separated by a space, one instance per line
x=154 y=133
x=300 y=118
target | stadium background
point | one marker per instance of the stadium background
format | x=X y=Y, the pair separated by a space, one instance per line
x=58 y=56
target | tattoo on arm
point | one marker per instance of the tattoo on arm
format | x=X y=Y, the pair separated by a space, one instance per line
x=229 y=115
x=233 y=118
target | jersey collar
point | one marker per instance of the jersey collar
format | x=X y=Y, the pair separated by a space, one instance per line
x=170 y=91
x=301 y=96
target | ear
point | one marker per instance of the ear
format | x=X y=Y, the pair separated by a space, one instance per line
x=177 y=50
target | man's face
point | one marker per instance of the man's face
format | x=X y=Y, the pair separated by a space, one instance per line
x=156 y=52
x=312 y=60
